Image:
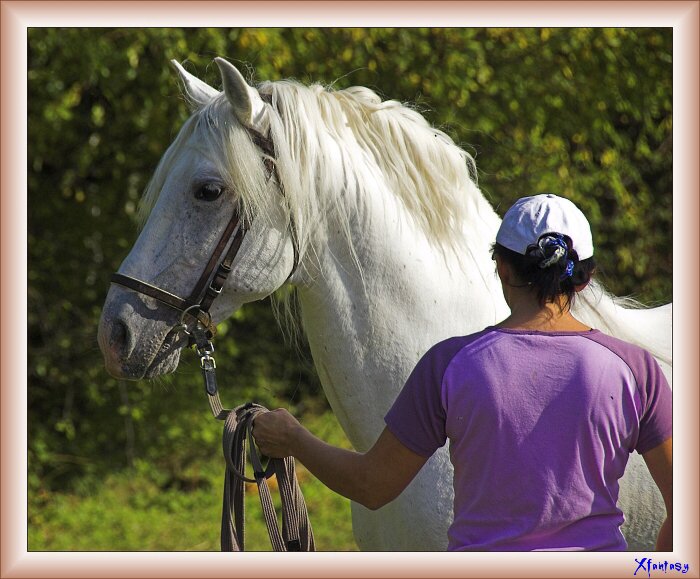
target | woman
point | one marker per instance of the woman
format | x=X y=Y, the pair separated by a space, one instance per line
x=541 y=411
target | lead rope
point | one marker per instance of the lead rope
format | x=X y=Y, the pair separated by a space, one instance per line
x=296 y=533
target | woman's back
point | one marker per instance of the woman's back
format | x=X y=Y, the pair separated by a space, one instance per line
x=541 y=425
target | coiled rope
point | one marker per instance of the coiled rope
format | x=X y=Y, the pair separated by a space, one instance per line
x=296 y=533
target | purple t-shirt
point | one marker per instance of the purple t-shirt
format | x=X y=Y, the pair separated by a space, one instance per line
x=541 y=425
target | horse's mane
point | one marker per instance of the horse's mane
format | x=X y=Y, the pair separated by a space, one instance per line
x=385 y=144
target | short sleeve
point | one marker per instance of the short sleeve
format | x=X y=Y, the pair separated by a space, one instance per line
x=656 y=423
x=417 y=417
x=655 y=410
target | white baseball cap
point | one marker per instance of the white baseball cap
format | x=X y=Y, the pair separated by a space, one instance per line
x=531 y=217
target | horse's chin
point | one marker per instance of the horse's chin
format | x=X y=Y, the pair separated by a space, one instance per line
x=137 y=370
x=144 y=364
x=163 y=366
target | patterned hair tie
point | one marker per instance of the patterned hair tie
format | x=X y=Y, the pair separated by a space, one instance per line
x=555 y=243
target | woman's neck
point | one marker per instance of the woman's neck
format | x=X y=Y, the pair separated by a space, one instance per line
x=528 y=314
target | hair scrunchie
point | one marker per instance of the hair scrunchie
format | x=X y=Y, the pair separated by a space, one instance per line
x=553 y=248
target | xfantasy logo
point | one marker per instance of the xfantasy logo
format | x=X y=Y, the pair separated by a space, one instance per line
x=647 y=567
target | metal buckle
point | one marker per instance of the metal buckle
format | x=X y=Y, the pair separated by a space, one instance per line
x=207 y=363
x=215 y=291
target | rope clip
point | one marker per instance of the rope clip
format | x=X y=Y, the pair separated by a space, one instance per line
x=207 y=363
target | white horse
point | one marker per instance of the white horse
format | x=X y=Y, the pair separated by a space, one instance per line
x=393 y=238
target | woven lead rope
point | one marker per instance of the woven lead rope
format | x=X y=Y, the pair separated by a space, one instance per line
x=296 y=533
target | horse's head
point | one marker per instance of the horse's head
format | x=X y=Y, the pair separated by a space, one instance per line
x=214 y=171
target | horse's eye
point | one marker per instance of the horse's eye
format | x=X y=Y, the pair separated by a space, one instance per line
x=209 y=192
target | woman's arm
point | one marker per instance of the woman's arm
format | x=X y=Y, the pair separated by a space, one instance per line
x=660 y=463
x=372 y=479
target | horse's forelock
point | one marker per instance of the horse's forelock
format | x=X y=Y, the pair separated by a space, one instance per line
x=213 y=131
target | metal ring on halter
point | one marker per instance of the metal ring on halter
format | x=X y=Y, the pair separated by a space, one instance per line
x=182 y=327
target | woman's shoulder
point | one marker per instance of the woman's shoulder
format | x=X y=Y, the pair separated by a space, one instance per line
x=444 y=351
x=456 y=343
x=640 y=361
x=622 y=348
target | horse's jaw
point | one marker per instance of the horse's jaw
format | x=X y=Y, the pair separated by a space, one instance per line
x=137 y=342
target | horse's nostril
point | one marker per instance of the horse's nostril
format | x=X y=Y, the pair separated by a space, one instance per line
x=120 y=338
x=118 y=333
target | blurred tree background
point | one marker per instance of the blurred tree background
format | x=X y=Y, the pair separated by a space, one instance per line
x=585 y=113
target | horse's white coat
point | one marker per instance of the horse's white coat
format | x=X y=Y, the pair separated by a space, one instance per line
x=394 y=238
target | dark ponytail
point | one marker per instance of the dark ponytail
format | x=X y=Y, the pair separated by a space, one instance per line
x=550 y=266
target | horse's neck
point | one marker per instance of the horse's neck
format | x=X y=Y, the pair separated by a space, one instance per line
x=367 y=331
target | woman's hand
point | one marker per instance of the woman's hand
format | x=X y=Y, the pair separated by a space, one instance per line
x=276 y=433
x=372 y=479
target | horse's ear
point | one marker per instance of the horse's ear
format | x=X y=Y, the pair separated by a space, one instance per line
x=198 y=91
x=245 y=100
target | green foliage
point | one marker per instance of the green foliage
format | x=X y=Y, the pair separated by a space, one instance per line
x=582 y=112
x=143 y=509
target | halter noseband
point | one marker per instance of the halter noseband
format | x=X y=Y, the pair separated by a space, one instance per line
x=206 y=291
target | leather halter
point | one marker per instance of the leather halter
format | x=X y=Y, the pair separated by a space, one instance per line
x=199 y=308
x=199 y=301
